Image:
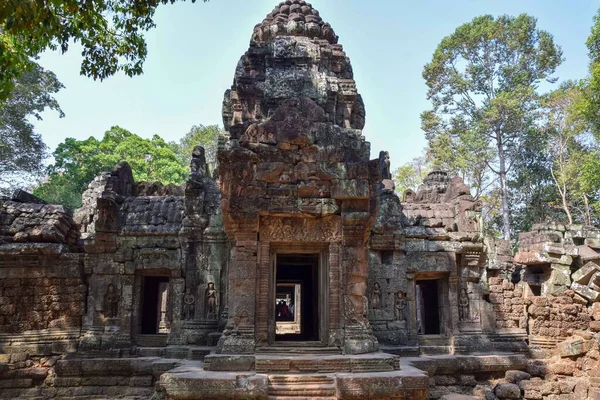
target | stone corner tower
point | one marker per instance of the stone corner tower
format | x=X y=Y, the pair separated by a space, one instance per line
x=298 y=189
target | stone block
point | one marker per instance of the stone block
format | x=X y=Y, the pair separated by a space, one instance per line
x=574 y=347
x=583 y=274
x=515 y=376
x=596 y=311
x=585 y=291
x=350 y=189
x=508 y=391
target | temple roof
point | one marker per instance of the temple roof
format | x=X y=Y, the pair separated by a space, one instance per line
x=293 y=18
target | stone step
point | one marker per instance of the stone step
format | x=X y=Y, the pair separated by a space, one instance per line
x=301 y=379
x=282 y=364
x=302 y=391
x=302 y=385
x=298 y=350
x=300 y=398
x=157 y=340
x=435 y=350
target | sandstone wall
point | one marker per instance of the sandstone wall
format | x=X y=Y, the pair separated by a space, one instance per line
x=508 y=303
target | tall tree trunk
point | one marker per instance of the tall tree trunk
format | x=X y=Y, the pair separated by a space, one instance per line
x=563 y=195
x=588 y=216
x=503 y=187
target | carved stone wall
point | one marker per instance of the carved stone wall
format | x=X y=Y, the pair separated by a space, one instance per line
x=433 y=234
x=42 y=290
x=296 y=167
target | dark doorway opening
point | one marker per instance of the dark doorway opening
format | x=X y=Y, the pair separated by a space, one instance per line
x=296 y=297
x=154 y=305
x=428 y=307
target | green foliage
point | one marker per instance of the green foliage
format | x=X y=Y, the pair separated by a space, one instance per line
x=22 y=150
x=591 y=106
x=411 y=174
x=111 y=33
x=199 y=135
x=77 y=162
x=482 y=83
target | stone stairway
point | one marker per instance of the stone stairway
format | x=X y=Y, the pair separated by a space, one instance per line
x=434 y=345
x=301 y=386
x=298 y=350
x=290 y=376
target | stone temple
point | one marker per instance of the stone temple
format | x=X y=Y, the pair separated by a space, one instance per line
x=294 y=271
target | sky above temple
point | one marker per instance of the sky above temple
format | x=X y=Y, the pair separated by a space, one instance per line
x=193 y=52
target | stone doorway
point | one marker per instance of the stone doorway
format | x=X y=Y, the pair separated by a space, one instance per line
x=155 y=293
x=297 y=295
x=428 y=307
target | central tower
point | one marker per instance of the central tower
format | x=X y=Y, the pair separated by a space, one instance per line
x=298 y=191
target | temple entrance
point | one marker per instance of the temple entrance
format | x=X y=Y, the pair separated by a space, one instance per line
x=296 y=297
x=155 y=294
x=428 y=307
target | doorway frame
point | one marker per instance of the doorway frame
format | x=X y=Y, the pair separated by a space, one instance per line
x=444 y=309
x=323 y=289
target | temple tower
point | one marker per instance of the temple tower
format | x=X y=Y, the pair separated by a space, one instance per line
x=298 y=191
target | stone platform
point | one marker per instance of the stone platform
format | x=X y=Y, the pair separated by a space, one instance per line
x=289 y=376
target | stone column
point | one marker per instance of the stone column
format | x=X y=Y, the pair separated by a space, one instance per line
x=176 y=289
x=238 y=336
x=358 y=337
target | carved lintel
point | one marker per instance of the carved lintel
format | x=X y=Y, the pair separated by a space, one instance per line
x=300 y=229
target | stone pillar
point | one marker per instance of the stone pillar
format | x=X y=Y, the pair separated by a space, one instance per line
x=358 y=337
x=238 y=336
x=175 y=300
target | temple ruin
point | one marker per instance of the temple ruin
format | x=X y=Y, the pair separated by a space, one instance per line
x=295 y=270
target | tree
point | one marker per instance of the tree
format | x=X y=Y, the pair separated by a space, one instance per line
x=482 y=82
x=22 y=150
x=591 y=107
x=205 y=136
x=111 y=33
x=77 y=162
x=565 y=127
x=411 y=174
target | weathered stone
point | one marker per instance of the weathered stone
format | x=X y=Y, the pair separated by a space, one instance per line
x=513 y=376
x=508 y=391
x=570 y=348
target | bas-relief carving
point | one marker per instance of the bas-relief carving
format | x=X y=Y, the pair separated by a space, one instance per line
x=399 y=306
x=376 y=296
x=300 y=229
x=463 y=305
x=430 y=262
x=157 y=258
x=111 y=302
x=189 y=306
x=211 y=301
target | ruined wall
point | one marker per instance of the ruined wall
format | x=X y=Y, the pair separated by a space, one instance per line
x=143 y=238
x=42 y=290
x=508 y=304
x=432 y=236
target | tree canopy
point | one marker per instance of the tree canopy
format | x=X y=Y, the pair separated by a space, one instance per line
x=482 y=83
x=22 y=150
x=198 y=135
x=111 y=33
x=78 y=162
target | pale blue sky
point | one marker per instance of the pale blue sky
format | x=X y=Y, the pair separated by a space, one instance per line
x=194 y=49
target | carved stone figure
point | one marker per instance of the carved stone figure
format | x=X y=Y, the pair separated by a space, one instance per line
x=211 y=301
x=189 y=306
x=376 y=296
x=463 y=305
x=384 y=165
x=399 y=305
x=111 y=302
